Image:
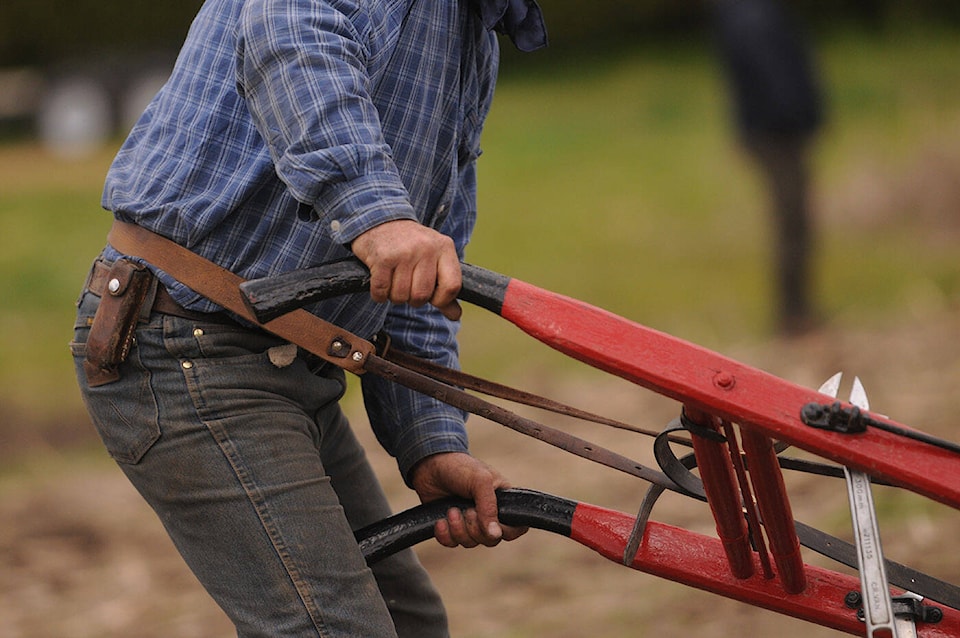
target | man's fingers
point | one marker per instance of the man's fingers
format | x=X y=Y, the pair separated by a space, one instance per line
x=462 y=528
x=449 y=278
x=423 y=284
x=381 y=280
x=410 y=263
x=449 y=281
x=453 y=311
x=402 y=285
x=441 y=531
x=486 y=512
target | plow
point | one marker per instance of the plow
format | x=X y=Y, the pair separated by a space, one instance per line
x=735 y=423
x=726 y=447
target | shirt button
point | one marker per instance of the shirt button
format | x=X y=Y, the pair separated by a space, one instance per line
x=441 y=209
x=335 y=226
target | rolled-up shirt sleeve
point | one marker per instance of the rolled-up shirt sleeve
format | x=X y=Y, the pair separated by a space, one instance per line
x=301 y=70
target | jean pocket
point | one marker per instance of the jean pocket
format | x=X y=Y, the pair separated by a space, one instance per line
x=125 y=413
x=233 y=344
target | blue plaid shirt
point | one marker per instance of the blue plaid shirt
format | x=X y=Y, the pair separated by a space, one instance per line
x=290 y=127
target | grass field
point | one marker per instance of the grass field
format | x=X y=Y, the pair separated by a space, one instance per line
x=617 y=181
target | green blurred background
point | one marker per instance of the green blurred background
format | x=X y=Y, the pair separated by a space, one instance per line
x=611 y=173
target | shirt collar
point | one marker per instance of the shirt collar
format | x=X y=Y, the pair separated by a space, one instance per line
x=521 y=20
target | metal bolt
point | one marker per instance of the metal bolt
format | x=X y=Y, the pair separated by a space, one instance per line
x=932 y=614
x=358 y=356
x=724 y=380
x=113 y=286
x=853 y=599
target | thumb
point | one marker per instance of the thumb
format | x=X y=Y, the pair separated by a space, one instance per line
x=486 y=506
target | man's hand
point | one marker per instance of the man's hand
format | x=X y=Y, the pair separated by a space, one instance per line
x=411 y=263
x=458 y=474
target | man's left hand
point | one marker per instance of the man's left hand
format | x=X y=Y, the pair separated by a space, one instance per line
x=459 y=474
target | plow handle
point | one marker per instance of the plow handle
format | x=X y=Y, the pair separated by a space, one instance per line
x=271 y=297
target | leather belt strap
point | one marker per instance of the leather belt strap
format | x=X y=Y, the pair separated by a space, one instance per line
x=221 y=286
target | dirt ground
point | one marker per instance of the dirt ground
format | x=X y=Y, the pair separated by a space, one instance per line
x=83 y=557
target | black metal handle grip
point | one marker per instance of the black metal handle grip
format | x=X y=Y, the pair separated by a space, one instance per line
x=516 y=507
x=270 y=297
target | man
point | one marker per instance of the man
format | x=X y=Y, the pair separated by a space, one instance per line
x=779 y=109
x=292 y=133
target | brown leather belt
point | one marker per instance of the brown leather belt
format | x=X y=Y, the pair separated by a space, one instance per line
x=163 y=302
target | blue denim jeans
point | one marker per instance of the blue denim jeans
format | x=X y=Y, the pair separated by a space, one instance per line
x=258 y=478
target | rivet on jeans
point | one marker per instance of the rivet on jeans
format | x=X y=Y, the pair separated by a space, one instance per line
x=198 y=332
x=187 y=365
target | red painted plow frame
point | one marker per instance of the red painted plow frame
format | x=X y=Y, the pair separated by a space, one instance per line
x=719 y=390
x=716 y=392
x=717 y=385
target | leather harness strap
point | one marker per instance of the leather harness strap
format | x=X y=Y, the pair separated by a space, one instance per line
x=348 y=351
x=313 y=334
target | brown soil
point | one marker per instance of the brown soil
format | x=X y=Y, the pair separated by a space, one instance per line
x=83 y=557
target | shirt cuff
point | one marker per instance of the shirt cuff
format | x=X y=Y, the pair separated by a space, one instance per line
x=351 y=208
x=426 y=438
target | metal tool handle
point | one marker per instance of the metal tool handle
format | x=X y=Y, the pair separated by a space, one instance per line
x=271 y=297
x=516 y=507
x=877 y=607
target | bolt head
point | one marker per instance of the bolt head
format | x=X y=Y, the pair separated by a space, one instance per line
x=724 y=380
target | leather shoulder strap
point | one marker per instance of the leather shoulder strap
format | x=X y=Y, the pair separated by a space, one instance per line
x=221 y=286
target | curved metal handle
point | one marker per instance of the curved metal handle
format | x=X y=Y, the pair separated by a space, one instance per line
x=517 y=507
x=270 y=297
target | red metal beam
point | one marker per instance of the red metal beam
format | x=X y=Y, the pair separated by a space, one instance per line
x=723 y=495
x=700 y=561
x=767 y=481
x=724 y=387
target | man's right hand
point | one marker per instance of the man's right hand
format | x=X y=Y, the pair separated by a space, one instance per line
x=411 y=263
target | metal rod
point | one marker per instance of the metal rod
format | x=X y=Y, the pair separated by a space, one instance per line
x=723 y=495
x=767 y=481
x=749 y=503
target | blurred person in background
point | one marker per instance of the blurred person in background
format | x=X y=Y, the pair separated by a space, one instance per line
x=778 y=106
x=292 y=133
